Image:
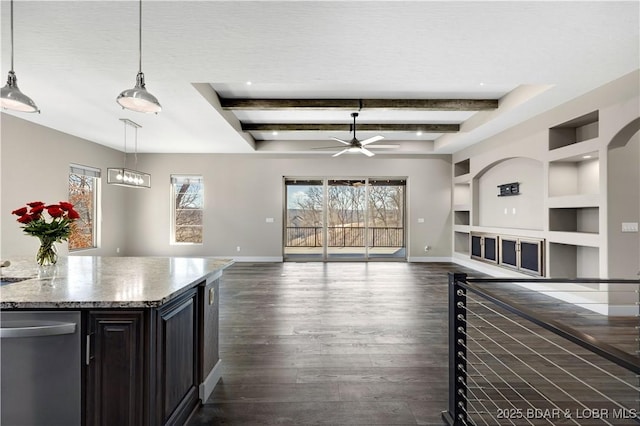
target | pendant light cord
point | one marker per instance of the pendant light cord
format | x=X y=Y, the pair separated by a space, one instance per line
x=125 y=145
x=139 y=39
x=11 y=35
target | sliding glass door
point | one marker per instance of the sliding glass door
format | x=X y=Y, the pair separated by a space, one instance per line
x=344 y=219
x=304 y=232
x=385 y=218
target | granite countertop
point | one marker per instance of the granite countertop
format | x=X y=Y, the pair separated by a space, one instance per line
x=103 y=282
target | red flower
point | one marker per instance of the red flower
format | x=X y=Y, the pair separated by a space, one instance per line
x=35 y=204
x=66 y=206
x=25 y=218
x=55 y=211
x=72 y=214
x=20 y=212
x=37 y=209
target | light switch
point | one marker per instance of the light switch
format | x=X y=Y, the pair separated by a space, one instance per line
x=421 y=220
x=269 y=220
x=629 y=226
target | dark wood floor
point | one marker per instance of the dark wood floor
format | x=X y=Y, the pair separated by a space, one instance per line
x=334 y=343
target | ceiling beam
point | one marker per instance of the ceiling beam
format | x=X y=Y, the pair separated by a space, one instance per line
x=359 y=104
x=333 y=127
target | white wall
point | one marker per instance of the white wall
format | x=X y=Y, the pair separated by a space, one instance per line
x=35 y=167
x=241 y=191
x=524 y=211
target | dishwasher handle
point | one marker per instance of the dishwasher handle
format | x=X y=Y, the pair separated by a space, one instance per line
x=13 y=329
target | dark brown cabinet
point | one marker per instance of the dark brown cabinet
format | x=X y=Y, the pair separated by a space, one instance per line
x=177 y=354
x=115 y=368
x=145 y=366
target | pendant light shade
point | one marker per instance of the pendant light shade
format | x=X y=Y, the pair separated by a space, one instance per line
x=12 y=98
x=138 y=98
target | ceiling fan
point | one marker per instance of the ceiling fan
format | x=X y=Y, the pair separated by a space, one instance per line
x=355 y=145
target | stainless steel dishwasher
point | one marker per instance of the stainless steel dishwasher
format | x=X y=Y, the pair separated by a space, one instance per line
x=40 y=368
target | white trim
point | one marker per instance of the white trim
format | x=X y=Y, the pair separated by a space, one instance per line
x=255 y=258
x=429 y=259
x=623 y=311
x=206 y=387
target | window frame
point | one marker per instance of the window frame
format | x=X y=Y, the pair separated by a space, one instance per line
x=96 y=175
x=174 y=179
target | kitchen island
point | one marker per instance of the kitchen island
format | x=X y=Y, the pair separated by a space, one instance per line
x=147 y=332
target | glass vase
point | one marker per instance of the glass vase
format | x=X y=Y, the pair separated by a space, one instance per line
x=47 y=253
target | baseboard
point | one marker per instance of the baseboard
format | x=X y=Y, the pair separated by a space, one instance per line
x=624 y=311
x=429 y=259
x=206 y=387
x=256 y=258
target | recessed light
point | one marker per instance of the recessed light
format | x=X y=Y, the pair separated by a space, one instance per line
x=274 y=133
x=586 y=157
x=249 y=83
x=419 y=133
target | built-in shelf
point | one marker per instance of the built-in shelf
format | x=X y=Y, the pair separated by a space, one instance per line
x=461 y=217
x=575 y=219
x=578 y=175
x=573 y=261
x=574 y=131
x=583 y=200
x=461 y=242
x=575 y=238
x=461 y=168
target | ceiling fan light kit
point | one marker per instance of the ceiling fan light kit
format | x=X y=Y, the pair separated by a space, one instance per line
x=355 y=145
x=12 y=98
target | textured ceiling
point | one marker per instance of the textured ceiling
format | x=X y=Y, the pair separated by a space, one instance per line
x=74 y=57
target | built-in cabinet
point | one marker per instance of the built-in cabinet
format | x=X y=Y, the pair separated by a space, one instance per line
x=568 y=244
x=147 y=366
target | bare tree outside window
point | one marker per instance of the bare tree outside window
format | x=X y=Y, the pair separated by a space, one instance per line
x=188 y=208
x=83 y=195
x=346 y=206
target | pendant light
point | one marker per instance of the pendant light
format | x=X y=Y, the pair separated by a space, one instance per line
x=12 y=98
x=138 y=99
x=123 y=176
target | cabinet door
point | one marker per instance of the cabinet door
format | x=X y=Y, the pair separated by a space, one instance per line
x=177 y=352
x=115 y=376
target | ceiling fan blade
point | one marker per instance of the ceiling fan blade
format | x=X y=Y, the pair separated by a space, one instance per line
x=328 y=147
x=341 y=152
x=340 y=140
x=371 y=140
x=384 y=146
x=366 y=152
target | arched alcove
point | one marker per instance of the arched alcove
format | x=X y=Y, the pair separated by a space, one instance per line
x=523 y=211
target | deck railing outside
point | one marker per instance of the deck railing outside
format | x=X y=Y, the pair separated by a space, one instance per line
x=345 y=236
x=511 y=363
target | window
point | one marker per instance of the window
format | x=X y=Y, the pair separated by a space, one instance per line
x=187 y=209
x=83 y=194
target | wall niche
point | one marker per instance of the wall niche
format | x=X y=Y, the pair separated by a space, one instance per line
x=522 y=211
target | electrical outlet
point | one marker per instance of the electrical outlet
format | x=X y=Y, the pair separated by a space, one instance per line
x=629 y=226
x=238 y=248
x=427 y=248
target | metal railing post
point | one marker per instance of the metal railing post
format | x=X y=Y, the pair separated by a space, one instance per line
x=457 y=412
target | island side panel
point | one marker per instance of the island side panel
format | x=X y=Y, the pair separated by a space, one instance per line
x=210 y=371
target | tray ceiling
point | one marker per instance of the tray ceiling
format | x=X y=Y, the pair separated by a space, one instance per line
x=73 y=58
